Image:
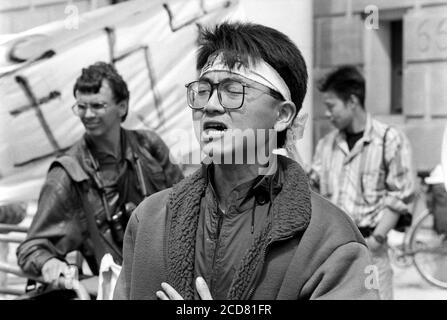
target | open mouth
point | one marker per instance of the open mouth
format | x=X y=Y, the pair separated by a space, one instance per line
x=213 y=129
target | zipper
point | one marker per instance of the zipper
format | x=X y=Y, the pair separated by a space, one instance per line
x=264 y=253
x=140 y=175
x=252 y=290
x=216 y=247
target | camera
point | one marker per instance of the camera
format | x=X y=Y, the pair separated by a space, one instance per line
x=119 y=222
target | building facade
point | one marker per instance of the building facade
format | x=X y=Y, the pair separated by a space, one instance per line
x=401 y=46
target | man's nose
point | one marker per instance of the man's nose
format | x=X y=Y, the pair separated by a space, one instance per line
x=89 y=113
x=328 y=114
x=213 y=104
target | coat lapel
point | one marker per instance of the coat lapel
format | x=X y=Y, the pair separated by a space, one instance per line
x=290 y=214
x=184 y=206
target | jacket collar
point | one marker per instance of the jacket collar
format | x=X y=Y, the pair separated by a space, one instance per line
x=368 y=134
x=125 y=140
x=258 y=187
x=290 y=214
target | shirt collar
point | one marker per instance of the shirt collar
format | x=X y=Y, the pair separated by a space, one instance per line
x=126 y=151
x=367 y=135
x=258 y=187
x=86 y=144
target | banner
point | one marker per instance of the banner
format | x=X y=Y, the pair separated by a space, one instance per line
x=153 y=46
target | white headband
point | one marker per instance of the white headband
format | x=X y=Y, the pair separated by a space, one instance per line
x=263 y=73
x=260 y=72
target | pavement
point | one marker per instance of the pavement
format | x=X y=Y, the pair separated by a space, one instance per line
x=409 y=284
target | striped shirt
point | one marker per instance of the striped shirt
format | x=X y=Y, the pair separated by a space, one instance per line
x=355 y=179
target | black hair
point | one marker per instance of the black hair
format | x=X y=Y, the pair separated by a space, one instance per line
x=240 y=42
x=345 y=81
x=90 y=81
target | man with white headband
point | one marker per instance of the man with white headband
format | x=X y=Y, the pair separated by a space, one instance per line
x=233 y=230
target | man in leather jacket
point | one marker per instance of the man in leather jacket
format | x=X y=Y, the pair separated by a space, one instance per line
x=89 y=193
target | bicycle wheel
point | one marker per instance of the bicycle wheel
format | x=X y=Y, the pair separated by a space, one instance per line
x=429 y=250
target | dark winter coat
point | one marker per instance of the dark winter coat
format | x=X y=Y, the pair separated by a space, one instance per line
x=309 y=250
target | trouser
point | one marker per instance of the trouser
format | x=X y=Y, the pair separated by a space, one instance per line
x=381 y=259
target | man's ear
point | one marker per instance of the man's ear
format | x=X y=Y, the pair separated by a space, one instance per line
x=286 y=112
x=122 y=108
x=354 y=101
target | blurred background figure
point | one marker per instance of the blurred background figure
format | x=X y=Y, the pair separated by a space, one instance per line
x=363 y=166
x=91 y=191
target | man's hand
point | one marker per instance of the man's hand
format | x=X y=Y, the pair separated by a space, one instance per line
x=373 y=244
x=169 y=293
x=52 y=269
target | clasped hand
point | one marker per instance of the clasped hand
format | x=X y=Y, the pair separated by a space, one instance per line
x=169 y=293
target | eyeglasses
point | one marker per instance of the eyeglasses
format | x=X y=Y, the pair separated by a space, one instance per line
x=231 y=93
x=80 y=109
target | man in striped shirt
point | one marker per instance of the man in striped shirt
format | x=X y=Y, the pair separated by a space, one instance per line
x=364 y=166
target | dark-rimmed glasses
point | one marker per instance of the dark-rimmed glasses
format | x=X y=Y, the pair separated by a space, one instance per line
x=230 y=92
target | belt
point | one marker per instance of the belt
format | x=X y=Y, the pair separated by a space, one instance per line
x=366 y=231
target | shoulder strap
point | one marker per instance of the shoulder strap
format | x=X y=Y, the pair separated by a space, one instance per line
x=148 y=140
x=96 y=234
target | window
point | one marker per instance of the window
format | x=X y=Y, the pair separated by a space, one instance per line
x=396 y=56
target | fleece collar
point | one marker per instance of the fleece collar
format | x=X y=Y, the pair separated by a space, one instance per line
x=291 y=210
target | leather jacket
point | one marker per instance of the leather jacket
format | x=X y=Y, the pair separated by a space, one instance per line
x=71 y=215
